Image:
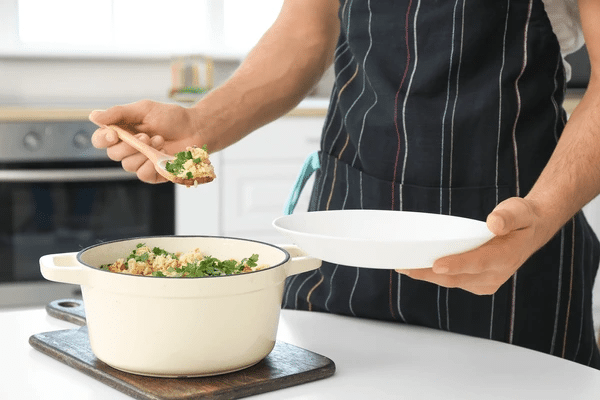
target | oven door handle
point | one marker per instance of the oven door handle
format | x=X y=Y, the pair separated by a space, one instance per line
x=66 y=175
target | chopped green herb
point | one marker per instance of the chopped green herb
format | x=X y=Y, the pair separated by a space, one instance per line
x=176 y=166
x=160 y=252
x=251 y=262
x=208 y=266
x=138 y=258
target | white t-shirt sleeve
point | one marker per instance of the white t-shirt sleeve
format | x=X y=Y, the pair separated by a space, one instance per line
x=566 y=24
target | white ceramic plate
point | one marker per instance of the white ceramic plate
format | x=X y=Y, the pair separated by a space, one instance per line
x=382 y=239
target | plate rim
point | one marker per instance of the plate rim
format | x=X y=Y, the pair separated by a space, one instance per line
x=488 y=234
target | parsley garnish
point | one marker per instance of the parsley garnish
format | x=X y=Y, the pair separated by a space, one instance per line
x=141 y=258
x=208 y=266
x=176 y=166
x=160 y=252
x=251 y=262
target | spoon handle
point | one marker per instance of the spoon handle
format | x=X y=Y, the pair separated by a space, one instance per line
x=153 y=155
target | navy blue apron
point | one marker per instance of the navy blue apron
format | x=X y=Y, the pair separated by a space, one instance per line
x=450 y=107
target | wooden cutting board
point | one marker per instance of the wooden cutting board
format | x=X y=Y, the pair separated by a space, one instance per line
x=285 y=366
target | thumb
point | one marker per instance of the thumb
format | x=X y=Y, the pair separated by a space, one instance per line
x=510 y=215
x=96 y=116
x=128 y=114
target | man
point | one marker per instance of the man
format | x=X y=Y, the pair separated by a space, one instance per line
x=453 y=108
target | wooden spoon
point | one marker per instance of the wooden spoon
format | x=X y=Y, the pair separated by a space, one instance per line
x=158 y=158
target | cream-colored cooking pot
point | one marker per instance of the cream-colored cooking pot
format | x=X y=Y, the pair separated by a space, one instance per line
x=176 y=327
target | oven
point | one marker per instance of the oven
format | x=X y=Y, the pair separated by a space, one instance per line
x=60 y=194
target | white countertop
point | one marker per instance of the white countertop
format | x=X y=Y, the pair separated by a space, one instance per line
x=78 y=110
x=374 y=360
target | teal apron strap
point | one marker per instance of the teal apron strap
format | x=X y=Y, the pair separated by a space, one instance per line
x=311 y=164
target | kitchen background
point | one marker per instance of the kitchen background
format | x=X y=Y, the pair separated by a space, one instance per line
x=61 y=59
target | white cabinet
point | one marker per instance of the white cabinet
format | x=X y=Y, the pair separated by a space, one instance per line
x=259 y=173
x=254 y=179
x=197 y=208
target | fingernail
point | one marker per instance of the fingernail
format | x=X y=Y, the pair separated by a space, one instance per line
x=110 y=136
x=440 y=270
x=93 y=114
x=495 y=223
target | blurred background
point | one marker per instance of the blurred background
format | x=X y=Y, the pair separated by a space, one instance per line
x=112 y=51
x=61 y=59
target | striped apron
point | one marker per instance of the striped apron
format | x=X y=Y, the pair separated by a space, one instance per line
x=450 y=107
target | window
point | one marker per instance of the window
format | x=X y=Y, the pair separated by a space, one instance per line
x=245 y=21
x=143 y=27
x=63 y=22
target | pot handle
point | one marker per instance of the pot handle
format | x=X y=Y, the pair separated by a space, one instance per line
x=62 y=268
x=300 y=261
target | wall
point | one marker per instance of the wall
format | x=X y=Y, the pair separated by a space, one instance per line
x=103 y=82
x=97 y=81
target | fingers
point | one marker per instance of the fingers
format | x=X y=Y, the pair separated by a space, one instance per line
x=511 y=221
x=133 y=161
x=122 y=151
x=499 y=254
x=472 y=262
x=485 y=284
x=128 y=115
x=131 y=116
x=486 y=268
x=481 y=271
x=147 y=173
x=104 y=137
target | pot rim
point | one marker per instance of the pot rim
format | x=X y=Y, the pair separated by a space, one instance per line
x=80 y=253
